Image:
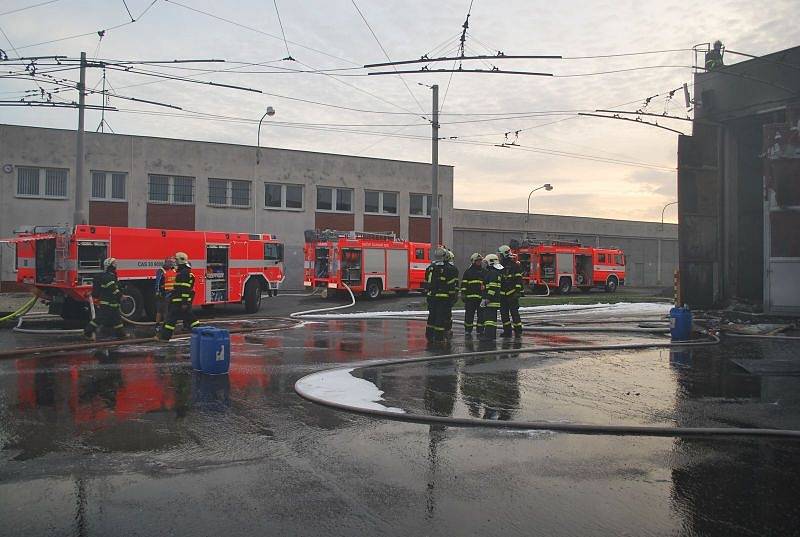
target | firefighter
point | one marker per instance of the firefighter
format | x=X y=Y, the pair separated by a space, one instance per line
x=492 y=281
x=106 y=292
x=180 y=299
x=714 y=57
x=441 y=285
x=453 y=291
x=510 y=292
x=165 y=283
x=472 y=294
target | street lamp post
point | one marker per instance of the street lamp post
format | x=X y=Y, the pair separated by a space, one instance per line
x=546 y=186
x=270 y=112
x=658 y=268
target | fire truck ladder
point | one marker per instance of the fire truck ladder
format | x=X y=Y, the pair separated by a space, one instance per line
x=333 y=235
x=62 y=253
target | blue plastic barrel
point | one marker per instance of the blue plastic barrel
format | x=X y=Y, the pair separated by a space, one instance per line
x=680 y=324
x=215 y=351
x=194 y=347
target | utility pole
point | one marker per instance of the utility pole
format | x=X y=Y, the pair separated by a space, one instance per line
x=435 y=171
x=80 y=215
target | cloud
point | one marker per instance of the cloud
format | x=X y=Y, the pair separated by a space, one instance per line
x=486 y=176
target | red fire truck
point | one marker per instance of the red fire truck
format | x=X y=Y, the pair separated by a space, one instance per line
x=59 y=263
x=368 y=263
x=562 y=265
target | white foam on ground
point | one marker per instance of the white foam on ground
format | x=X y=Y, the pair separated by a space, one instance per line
x=621 y=308
x=340 y=386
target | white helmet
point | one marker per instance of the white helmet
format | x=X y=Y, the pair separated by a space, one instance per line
x=181 y=258
x=450 y=255
x=504 y=250
x=493 y=261
x=110 y=262
x=475 y=257
x=439 y=254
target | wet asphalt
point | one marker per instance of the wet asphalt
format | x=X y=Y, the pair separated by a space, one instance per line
x=131 y=441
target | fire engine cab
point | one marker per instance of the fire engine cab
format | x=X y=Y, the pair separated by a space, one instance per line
x=563 y=265
x=368 y=263
x=59 y=263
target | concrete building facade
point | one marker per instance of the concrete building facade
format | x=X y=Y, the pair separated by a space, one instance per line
x=739 y=200
x=141 y=181
x=651 y=249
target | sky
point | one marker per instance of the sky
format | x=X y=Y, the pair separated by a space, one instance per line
x=598 y=167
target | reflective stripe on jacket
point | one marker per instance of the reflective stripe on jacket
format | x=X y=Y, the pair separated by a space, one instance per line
x=441 y=281
x=492 y=285
x=512 y=279
x=472 y=283
x=183 y=291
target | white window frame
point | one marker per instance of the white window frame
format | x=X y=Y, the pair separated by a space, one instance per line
x=334 y=194
x=426 y=209
x=109 y=186
x=171 y=189
x=381 y=208
x=229 y=194
x=283 y=206
x=42 y=184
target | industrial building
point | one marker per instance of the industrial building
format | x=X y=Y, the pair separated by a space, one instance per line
x=739 y=186
x=142 y=181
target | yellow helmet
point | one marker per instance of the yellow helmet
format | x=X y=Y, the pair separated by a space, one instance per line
x=181 y=258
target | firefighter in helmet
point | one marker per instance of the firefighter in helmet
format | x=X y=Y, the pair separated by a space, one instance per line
x=493 y=276
x=511 y=290
x=714 y=57
x=441 y=288
x=472 y=294
x=106 y=294
x=165 y=283
x=180 y=300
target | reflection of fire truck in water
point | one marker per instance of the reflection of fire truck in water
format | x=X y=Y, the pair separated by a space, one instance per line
x=561 y=265
x=368 y=263
x=59 y=263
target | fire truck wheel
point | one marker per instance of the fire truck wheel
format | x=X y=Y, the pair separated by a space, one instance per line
x=131 y=306
x=564 y=286
x=252 y=296
x=611 y=284
x=373 y=289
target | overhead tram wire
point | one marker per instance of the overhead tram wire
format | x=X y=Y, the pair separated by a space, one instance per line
x=28 y=7
x=256 y=30
x=76 y=36
x=385 y=53
x=283 y=33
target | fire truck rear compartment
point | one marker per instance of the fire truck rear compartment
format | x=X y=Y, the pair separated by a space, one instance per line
x=351 y=266
x=217 y=273
x=321 y=262
x=45 y=260
x=90 y=260
x=584 y=270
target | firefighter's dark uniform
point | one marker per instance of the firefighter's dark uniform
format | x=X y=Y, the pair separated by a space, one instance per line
x=165 y=283
x=491 y=293
x=472 y=294
x=441 y=285
x=510 y=291
x=180 y=303
x=105 y=288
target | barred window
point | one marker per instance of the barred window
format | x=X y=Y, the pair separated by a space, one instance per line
x=171 y=189
x=380 y=202
x=240 y=193
x=30 y=179
x=118 y=181
x=217 y=192
x=335 y=199
x=420 y=204
x=280 y=196
x=108 y=185
x=183 y=189
x=27 y=181
x=228 y=192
